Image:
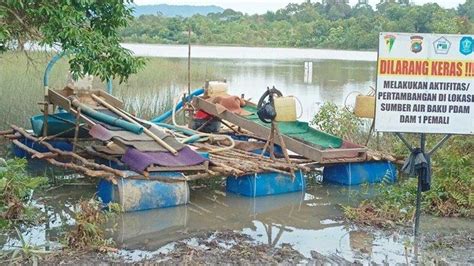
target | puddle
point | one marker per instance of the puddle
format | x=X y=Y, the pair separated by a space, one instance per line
x=308 y=221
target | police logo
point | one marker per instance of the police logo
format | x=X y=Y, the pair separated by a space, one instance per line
x=389 y=41
x=441 y=46
x=416 y=44
x=466 y=45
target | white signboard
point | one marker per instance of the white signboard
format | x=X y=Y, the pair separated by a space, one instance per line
x=425 y=83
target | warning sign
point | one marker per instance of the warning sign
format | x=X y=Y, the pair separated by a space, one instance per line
x=425 y=83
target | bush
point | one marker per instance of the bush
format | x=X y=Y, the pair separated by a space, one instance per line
x=339 y=122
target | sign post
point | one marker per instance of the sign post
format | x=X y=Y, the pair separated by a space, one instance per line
x=425 y=84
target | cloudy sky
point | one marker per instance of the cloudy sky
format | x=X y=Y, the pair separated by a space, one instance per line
x=261 y=6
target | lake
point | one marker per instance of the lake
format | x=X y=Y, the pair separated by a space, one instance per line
x=334 y=74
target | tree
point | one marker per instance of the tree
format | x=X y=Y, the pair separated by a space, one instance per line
x=87 y=29
x=467 y=9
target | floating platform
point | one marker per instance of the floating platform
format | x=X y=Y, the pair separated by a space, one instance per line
x=358 y=173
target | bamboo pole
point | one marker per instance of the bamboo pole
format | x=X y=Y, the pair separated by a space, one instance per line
x=126 y=117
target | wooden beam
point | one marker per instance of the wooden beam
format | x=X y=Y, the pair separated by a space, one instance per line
x=299 y=147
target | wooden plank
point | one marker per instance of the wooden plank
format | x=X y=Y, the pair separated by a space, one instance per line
x=201 y=167
x=299 y=147
x=56 y=98
x=60 y=97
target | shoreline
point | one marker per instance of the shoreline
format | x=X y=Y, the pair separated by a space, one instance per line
x=244 y=52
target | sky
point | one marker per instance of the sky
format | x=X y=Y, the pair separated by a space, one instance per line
x=261 y=6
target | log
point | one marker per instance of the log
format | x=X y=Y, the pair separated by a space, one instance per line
x=72 y=166
x=71 y=154
x=6 y=132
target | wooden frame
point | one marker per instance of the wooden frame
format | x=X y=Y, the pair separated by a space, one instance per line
x=354 y=154
x=60 y=97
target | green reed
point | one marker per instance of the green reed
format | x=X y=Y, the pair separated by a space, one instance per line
x=147 y=93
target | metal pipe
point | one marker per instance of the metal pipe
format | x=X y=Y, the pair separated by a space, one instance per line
x=400 y=136
x=439 y=144
x=418 y=191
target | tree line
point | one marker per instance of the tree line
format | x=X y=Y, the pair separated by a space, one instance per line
x=331 y=24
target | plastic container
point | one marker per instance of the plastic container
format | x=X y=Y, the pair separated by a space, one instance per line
x=365 y=106
x=216 y=88
x=138 y=194
x=265 y=184
x=285 y=108
x=359 y=173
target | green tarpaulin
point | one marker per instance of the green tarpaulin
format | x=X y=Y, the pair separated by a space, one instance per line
x=300 y=130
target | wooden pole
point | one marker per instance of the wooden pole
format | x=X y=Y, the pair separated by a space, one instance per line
x=126 y=117
x=76 y=130
x=81 y=159
x=45 y=119
x=189 y=60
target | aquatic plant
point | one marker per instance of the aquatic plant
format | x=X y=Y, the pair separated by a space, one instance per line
x=89 y=232
x=147 y=93
x=16 y=188
x=24 y=253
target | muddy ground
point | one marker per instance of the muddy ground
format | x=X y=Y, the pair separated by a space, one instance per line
x=229 y=247
x=225 y=247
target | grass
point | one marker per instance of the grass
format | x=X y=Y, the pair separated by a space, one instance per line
x=147 y=93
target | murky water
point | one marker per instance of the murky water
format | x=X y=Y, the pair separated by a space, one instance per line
x=308 y=220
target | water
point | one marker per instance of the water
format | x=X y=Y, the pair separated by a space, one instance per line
x=335 y=74
x=245 y=53
x=309 y=221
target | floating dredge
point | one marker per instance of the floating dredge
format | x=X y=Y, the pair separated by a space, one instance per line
x=261 y=149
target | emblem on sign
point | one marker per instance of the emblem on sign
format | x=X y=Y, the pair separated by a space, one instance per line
x=441 y=46
x=466 y=45
x=416 y=44
x=389 y=41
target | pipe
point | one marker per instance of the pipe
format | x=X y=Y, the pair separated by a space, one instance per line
x=200 y=134
x=129 y=119
x=109 y=86
x=179 y=105
x=50 y=65
x=114 y=121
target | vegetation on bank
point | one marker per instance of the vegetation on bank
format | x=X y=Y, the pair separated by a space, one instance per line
x=452 y=187
x=16 y=187
x=333 y=24
x=147 y=93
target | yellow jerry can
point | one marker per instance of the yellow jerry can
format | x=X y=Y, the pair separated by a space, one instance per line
x=365 y=106
x=285 y=108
